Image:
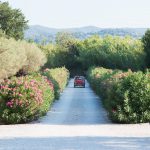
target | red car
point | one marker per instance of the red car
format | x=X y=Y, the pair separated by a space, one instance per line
x=79 y=81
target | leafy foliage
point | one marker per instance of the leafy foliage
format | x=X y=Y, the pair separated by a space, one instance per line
x=12 y=21
x=112 y=52
x=132 y=99
x=63 y=53
x=146 y=41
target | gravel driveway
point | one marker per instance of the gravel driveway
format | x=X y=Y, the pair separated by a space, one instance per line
x=76 y=122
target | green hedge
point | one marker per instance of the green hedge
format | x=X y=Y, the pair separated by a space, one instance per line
x=126 y=95
x=59 y=77
x=25 y=98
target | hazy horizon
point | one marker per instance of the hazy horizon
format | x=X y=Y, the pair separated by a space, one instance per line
x=88 y=26
x=80 y=13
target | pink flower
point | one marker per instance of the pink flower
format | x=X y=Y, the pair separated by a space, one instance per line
x=26 y=87
x=19 y=82
x=1 y=87
x=9 y=104
x=14 y=89
x=46 y=70
x=19 y=94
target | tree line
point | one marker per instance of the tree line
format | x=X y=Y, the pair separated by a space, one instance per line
x=110 y=51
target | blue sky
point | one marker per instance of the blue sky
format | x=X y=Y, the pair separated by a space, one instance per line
x=77 y=13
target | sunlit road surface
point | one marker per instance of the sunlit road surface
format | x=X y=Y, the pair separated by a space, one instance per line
x=75 y=122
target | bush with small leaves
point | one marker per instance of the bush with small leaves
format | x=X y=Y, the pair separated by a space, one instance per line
x=131 y=99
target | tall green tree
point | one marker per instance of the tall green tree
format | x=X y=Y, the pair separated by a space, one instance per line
x=12 y=21
x=146 y=41
x=67 y=50
x=112 y=52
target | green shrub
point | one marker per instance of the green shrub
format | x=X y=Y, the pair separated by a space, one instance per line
x=12 y=57
x=131 y=99
x=125 y=95
x=59 y=77
x=146 y=43
x=19 y=55
x=25 y=98
x=35 y=57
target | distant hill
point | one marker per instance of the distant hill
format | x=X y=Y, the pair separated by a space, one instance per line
x=40 y=33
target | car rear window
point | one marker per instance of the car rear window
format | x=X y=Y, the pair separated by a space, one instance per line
x=79 y=78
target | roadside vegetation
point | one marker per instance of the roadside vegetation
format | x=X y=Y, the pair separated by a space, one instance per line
x=25 y=98
x=125 y=94
x=26 y=91
x=33 y=75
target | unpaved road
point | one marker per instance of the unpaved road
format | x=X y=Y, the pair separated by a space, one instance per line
x=76 y=122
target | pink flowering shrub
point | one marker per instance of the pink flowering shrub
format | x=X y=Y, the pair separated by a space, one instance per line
x=95 y=75
x=102 y=79
x=25 y=98
x=125 y=95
